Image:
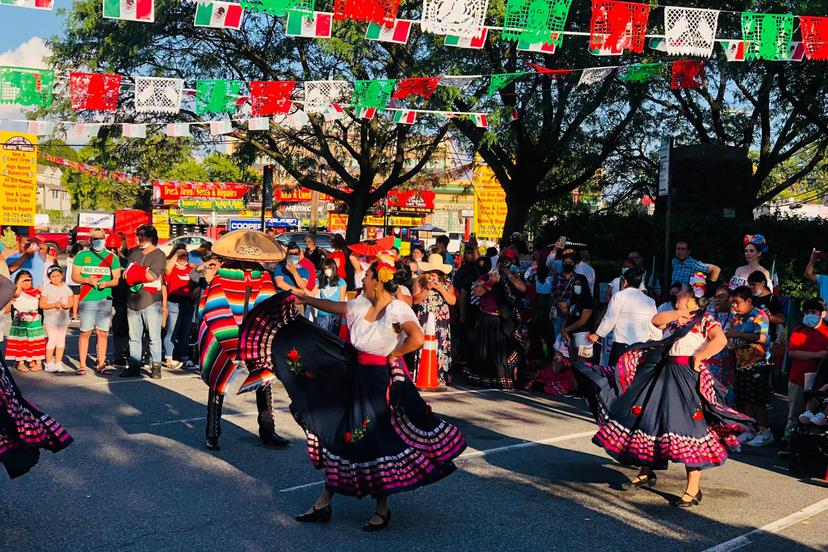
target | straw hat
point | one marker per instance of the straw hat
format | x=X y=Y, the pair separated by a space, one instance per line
x=435 y=262
x=249 y=245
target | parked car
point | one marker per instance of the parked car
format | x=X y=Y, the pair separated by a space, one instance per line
x=192 y=241
x=323 y=239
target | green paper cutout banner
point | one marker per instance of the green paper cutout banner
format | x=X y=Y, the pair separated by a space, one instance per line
x=373 y=93
x=278 y=7
x=501 y=80
x=217 y=96
x=536 y=20
x=767 y=35
x=640 y=72
x=25 y=86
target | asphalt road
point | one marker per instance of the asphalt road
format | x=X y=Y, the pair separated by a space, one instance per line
x=138 y=478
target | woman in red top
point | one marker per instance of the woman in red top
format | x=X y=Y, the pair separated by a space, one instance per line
x=179 y=305
x=346 y=264
x=807 y=346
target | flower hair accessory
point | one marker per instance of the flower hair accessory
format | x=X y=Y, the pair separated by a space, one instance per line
x=386 y=257
x=698 y=282
x=385 y=272
x=758 y=241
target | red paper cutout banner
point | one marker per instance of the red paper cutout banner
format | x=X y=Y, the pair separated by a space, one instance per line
x=270 y=97
x=618 y=26
x=687 y=74
x=94 y=91
x=815 y=36
x=554 y=73
x=420 y=86
x=381 y=12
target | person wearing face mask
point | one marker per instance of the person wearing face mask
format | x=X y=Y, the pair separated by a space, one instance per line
x=807 y=347
x=179 y=295
x=289 y=274
x=97 y=271
x=145 y=305
x=767 y=301
x=563 y=285
x=500 y=338
x=664 y=406
x=331 y=288
x=723 y=364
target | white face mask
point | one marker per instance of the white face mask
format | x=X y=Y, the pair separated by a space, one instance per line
x=144 y=245
x=576 y=290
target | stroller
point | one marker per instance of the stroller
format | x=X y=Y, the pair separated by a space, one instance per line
x=809 y=444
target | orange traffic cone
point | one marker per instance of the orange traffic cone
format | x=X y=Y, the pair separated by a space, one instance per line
x=427 y=370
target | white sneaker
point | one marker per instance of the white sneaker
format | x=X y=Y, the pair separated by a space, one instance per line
x=820 y=420
x=172 y=364
x=51 y=367
x=762 y=440
x=745 y=437
x=806 y=417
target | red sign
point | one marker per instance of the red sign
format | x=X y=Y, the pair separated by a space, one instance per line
x=411 y=201
x=173 y=191
x=297 y=195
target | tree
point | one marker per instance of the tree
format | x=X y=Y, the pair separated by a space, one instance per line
x=560 y=136
x=774 y=111
x=364 y=159
x=216 y=167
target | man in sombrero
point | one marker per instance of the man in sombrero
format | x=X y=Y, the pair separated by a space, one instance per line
x=233 y=289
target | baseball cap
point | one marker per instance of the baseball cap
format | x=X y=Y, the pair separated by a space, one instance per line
x=53 y=268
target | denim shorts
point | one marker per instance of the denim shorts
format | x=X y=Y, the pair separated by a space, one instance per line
x=95 y=315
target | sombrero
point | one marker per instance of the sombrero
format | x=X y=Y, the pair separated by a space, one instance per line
x=249 y=245
x=435 y=262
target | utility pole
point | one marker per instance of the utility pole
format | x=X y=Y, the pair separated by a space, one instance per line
x=664 y=191
x=267 y=192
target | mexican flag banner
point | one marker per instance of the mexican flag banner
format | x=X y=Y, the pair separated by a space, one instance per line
x=367 y=112
x=218 y=15
x=477 y=42
x=539 y=47
x=304 y=26
x=130 y=10
x=398 y=33
x=130 y=130
x=33 y=4
x=479 y=120
x=405 y=117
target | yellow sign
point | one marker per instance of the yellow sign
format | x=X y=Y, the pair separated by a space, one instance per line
x=161 y=221
x=18 y=178
x=211 y=204
x=489 y=204
x=338 y=222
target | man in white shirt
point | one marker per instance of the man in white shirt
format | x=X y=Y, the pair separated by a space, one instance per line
x=584 y=269
x=629 y=315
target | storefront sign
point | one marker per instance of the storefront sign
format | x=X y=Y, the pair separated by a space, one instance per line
x=297 y=195
x=338 y=222
x=164 y=191
x=105 y=221
x=411 y=201
x=256 y=224
x=489 y=204
x=18 y=178
x=211 y=204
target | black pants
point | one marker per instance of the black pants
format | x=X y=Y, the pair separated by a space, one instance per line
x=616 y=351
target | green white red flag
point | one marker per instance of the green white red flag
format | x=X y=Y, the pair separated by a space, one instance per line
x=32 y=4
x=538 y=47
x=405 y=117
x=130 y=10
x=367 y=113
x=218 y=15
x=398 y=33
x=475 y=42
x=479 y=120
x=304 y=26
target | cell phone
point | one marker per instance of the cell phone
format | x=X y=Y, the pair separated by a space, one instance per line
x=52 y=252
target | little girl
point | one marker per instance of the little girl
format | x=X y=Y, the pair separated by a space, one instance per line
x=26 y=342
x=56 y=301
x=332 y=288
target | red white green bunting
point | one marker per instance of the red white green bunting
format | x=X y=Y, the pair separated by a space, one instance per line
x=405 y=117
x=476 y=41
x=130 y=10
x=317 y=25
x=397 y=33
x=218 y=15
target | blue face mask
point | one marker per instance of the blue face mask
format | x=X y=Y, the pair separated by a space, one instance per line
x=811 y=320
x=293 y=259
x=98 y=245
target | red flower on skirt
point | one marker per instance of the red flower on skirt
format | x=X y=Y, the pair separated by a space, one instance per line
x=698 y=415
x=637 y=410
x=293 y=355
x=348 y=437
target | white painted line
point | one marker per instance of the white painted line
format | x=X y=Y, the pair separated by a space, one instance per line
x=470 y=455
x=771 y=528
x=223 y=416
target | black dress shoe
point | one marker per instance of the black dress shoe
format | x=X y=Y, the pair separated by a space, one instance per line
x=371 y=527
x=322 y=515
x=649 y=482
x=212 y=443
x=694 y=501
x=131 y=372
x=273 y=439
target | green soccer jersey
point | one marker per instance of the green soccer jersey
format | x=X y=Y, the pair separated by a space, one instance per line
x=95 y=263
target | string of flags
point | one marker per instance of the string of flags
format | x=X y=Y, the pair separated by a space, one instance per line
x=273 y=101
x=535 y=25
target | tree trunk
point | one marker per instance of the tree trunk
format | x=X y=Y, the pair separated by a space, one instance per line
x=517 y=209
x=357 y=208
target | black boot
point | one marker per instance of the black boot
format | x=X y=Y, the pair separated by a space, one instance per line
x=267 y=426
x=214 y=403
x=156 y=370
x=133 y=371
